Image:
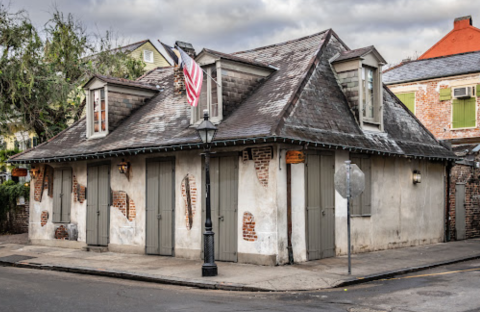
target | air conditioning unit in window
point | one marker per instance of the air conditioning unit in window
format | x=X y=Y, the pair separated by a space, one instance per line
x=461 y=93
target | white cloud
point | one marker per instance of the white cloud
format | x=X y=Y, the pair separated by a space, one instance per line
x=398 y=28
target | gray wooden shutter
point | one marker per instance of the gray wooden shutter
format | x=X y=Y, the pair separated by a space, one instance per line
x=152 y=239
x=313 y=207
x=166 y=207
x=92 y=204
x=356 y=202
x=66 y=194
x=367 y=193
x=328 y=206
x=57 y=193
x=228 y=208
x=103 y=204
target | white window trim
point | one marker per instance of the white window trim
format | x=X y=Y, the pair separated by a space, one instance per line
x=476 y=108
x=378 y=97
x=145 y=56
x=90 y=119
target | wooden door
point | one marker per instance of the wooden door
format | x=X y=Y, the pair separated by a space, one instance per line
x=320 y=171
x=160 y=207
x=224 y=204
x=460 y=222
x=98 y=203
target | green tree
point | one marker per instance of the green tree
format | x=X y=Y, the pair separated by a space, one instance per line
x=41 y=78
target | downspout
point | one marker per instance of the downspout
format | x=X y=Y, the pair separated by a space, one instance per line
x=447 y=213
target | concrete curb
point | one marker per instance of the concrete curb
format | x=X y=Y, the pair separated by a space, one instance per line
x=204 y=284
x=390 y=274
x=138 y=277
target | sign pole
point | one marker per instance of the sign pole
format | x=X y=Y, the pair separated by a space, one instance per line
x=348 y=162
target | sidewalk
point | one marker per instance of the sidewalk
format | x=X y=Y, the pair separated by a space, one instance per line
x=321 y=274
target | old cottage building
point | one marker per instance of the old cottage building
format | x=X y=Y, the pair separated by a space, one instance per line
x=129 y=176
x=443 y=93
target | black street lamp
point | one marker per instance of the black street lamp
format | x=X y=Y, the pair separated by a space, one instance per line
x=206 y=131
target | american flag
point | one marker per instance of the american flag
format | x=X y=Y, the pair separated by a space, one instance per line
x=193 y=78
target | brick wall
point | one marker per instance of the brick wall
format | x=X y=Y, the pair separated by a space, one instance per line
x=61 y=232
x=44 y=218
x=236 y=86
x=469 y=176
x=178 y=80
x=78 y=191
x=125 y=204
x=261 y=157
x=436 y=115
x=121 y=106
x=249 y=233
x=37 y=185
x=189 y=195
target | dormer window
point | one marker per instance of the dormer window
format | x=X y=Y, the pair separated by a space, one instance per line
x=358 y=73
x=148 y=56
x=97 y=113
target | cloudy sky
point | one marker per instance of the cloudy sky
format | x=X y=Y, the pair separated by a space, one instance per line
x=398 y=28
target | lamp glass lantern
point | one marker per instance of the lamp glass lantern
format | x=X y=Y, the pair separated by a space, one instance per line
x=206 y=130
x=123 y=167
x=417 y=177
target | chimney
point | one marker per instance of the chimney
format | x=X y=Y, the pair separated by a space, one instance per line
x=462 y=22
x=179 y=78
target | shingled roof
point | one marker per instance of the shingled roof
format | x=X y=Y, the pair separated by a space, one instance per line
x=458 y=64
x=299 y=103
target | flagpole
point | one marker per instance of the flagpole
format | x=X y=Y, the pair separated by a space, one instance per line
x=202 y=70
x=210 y=77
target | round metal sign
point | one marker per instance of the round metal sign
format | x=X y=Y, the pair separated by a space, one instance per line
x=357 y=181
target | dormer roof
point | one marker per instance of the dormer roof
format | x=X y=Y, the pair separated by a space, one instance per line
x=121 y=82
x=358 y=54
x=230 y=57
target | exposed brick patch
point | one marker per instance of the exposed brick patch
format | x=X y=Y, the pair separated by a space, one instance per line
x=61 y=232
x=249 y=233
x=132 y=212
x=124 y=204
x=262 y=157
x=189 y=194
x=44 y=218
x=78 y=191
x=38 y=185
x=178 y=80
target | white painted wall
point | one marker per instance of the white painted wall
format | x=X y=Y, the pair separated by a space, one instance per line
x=403 y=214
x=262 y=203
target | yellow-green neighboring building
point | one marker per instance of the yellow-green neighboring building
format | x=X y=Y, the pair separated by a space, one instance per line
x=148 y=53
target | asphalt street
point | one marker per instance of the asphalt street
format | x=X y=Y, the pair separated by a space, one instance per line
x=450 y=288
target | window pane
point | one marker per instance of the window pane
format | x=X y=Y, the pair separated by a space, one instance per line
x=367 y=84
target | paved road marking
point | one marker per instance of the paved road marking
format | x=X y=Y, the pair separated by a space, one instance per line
x=434 y=274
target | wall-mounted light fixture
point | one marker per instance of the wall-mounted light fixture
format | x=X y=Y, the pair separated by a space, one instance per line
x=417 y=177
x=34 y=172
x=27 y=184
x=124 y=168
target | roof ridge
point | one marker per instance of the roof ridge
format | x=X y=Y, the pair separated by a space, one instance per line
x=151 y=71
x=306 y=76
x=281 y=43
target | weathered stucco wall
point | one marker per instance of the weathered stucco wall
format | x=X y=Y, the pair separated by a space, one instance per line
x=403 y=214
x=259 y=197
x=43 y=234
x=261 y=201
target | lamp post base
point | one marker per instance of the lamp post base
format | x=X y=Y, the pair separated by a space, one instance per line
x=209 y=269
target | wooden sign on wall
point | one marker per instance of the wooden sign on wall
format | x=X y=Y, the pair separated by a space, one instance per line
x=19 y=172
x=295 y=157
